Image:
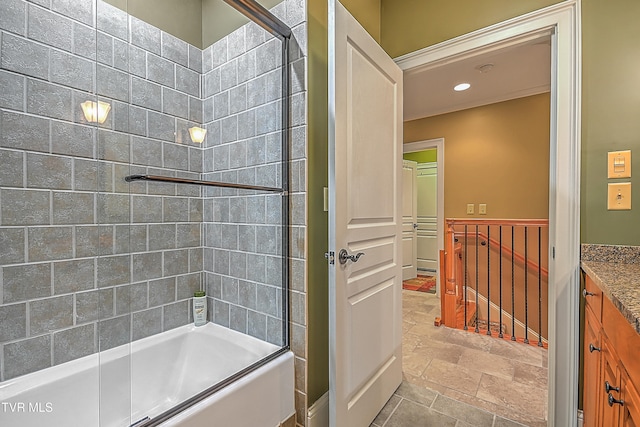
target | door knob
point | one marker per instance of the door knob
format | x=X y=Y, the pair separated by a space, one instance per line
x=593 y=348
x=415 y=226
x=613 y=400
x=608 y=387
x=586 y=293
x=343 y=256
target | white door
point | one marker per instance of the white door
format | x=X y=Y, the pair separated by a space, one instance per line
x=428 y=217
x=409 y=220
x=365 y=178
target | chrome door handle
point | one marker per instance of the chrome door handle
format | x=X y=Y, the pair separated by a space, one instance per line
x=586 y=293
x=343 y=256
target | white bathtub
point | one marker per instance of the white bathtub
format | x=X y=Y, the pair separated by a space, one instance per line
x=120 y=386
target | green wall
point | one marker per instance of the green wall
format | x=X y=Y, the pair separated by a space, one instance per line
x=198 y=22
x=318 y=221
x=610 y=116
x=367 y=13
x=409 y=25
x=182 y=19
x=220 y=19
x=424 y=156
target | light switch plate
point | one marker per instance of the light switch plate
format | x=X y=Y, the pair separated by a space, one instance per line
x=619 y=164
x=619 y=196
x=326 y=198
x=470 y=208
x=482 y=208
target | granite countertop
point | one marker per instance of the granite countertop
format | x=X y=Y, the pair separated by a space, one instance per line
x=620 y=282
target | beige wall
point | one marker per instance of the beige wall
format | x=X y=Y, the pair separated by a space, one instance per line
x=409 y=25
x=496 y=154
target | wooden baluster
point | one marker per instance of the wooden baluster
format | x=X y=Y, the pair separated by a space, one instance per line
x=448 y=297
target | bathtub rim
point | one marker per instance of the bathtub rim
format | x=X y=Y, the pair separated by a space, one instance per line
x=183 y=406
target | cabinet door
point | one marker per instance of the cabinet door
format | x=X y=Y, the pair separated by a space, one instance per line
x=592 y=353
x=630 y=411
x=609 y=375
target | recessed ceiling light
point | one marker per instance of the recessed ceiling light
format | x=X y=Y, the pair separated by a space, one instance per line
x=461 y=87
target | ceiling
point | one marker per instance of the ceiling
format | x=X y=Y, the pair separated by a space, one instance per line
x=515 y=71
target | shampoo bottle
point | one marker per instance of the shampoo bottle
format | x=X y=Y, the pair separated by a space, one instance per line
x=199 y=308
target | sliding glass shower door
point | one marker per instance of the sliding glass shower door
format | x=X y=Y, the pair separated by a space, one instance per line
x=98 y=273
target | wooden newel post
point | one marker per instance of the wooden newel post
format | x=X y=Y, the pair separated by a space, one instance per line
x=448 y=297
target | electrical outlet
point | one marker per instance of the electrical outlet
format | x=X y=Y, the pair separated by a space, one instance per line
x=482 y=208
x=470 y=208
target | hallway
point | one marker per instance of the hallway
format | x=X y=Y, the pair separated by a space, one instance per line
x=460 y=379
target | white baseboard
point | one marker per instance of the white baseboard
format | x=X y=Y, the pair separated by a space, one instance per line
x=318 y=414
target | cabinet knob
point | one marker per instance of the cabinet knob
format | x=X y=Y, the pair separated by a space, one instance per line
x=613 y=400
x=608 y=387
x=586 y=293
x=593 y=348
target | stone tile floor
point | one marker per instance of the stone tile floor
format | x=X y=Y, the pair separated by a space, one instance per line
x=460 y=379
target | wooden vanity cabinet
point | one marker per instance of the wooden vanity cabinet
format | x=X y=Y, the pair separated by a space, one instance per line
x=611 y=364
x=630 y=411
x=592 y=349
x=592 y=354
x=609 y=375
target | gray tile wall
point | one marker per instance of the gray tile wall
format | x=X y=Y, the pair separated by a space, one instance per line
x=293 y=13
x=242 y=96
x=115 y=262
x=84 y=265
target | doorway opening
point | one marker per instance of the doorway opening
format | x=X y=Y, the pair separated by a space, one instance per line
x=471 y=357
x=561 y=23
x=427 y=233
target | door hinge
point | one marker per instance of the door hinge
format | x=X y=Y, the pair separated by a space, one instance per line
x=331 y=257
x=553 y=252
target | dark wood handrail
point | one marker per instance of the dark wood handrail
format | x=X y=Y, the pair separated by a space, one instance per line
x=494 y=221
x=517 y=255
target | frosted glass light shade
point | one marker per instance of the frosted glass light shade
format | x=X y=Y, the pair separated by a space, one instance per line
x=197 y=134
x=95 y=111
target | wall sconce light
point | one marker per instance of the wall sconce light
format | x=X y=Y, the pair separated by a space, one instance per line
x=95 y=111
x=197 y=134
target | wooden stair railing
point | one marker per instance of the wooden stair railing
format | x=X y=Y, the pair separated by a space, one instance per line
x=453 y=313
x=507 y=251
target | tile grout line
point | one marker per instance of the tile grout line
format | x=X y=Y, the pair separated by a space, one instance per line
x=394 y=409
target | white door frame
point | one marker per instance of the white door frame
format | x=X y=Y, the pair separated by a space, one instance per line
x=438 y=144
x=562 y=21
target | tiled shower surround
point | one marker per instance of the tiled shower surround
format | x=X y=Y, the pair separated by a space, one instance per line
x=88 y=261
